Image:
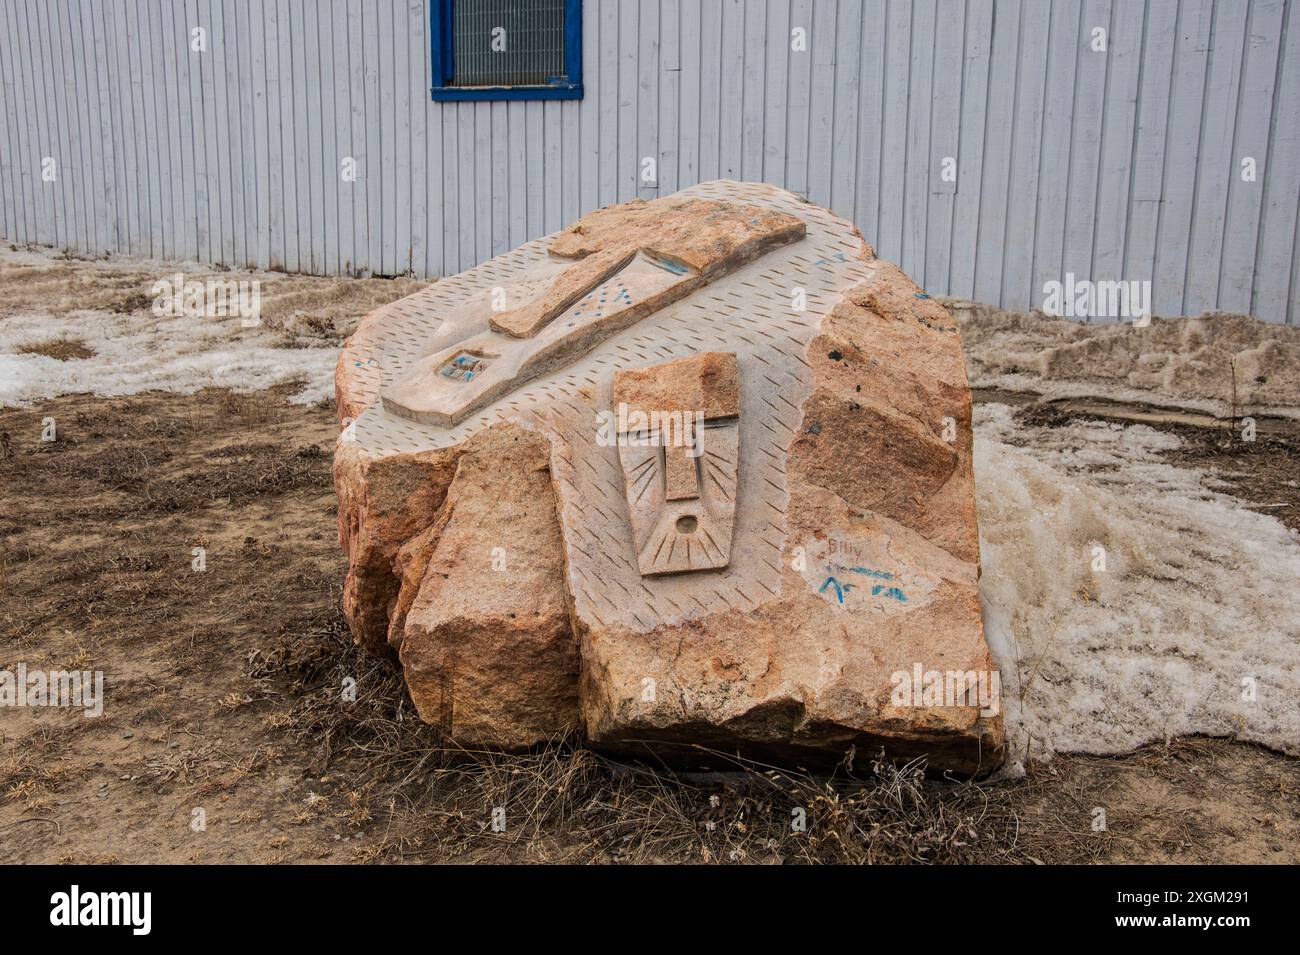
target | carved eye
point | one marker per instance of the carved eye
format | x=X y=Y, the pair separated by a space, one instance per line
x=686 y=524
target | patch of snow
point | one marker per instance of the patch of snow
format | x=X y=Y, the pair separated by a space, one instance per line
x=140 y=352
x=1196 y=604
x=105 y=304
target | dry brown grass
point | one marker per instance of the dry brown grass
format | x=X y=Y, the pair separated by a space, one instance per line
x=93 y=461
x=562 y=802
x=62 y=349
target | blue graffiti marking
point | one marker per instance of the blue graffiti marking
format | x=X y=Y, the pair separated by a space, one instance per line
x=880 y=589
x=839 y=588
x=881 y=574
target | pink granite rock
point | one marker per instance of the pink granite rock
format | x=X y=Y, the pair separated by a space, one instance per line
x=739 y=519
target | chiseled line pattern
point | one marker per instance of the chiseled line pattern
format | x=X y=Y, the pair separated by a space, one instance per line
x=747 y=312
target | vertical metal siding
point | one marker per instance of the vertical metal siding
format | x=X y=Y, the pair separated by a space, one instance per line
x=1123 y=164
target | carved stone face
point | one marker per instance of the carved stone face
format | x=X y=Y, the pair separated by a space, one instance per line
x=679 y=450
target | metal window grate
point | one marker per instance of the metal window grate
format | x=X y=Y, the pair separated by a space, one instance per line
x=531 y=32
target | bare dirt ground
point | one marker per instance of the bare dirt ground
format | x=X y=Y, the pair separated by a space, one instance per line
x=223 y=694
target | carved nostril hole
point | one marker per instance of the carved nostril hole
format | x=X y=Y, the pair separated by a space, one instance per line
x=687 y=524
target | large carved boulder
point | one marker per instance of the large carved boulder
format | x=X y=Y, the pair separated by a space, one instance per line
x=693 y=474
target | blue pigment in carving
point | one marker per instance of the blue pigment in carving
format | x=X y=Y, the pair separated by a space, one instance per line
x=878 y=590
x=672 y=267
x=463 y=367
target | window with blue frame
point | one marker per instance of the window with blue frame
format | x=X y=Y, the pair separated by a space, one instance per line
x=506 y=49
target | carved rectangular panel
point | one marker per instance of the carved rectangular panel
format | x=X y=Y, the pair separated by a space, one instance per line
x=679 y=441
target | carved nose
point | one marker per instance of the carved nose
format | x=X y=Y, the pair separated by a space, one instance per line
x=681 y=477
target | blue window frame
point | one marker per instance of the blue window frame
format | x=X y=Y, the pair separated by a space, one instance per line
x=506 y=49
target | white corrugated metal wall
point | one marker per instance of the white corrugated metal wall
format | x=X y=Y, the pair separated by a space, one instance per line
x=1122 y=164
